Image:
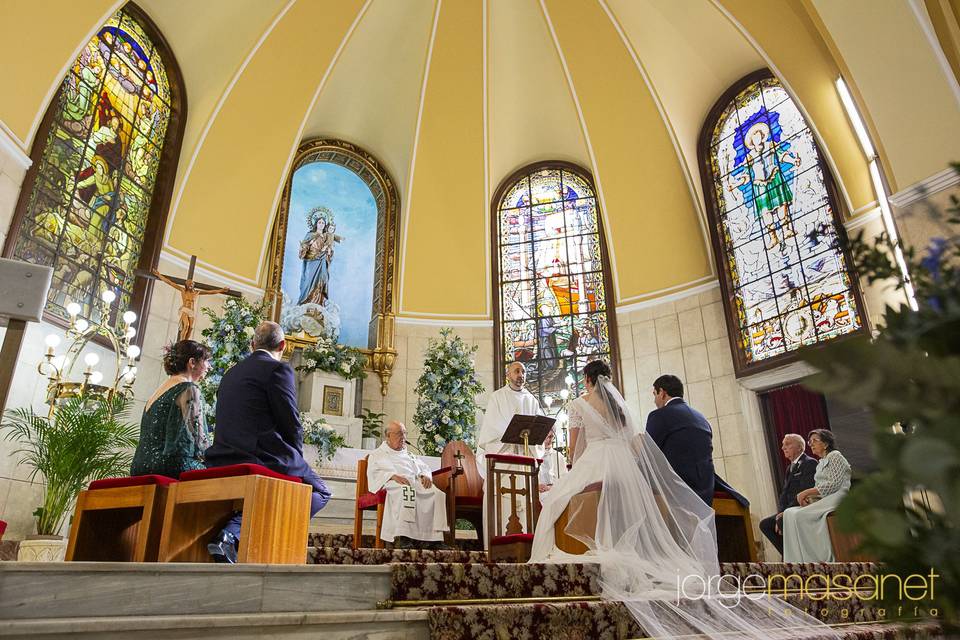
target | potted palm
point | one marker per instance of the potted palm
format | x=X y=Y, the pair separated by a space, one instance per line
x=86 y=438
x=372 y=428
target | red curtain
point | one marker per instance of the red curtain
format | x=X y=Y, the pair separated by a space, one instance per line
x=794 y=409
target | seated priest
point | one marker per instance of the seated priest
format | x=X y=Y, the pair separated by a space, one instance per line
x=415 y=508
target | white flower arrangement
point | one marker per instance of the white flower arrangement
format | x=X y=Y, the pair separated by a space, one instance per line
x=447 y=390
x=325 y=438
x=228 y=337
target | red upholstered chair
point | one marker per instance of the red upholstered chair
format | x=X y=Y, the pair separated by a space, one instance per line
x=735 y=541
x=367 y=501
x=464 y=488
x=119 y=519
x=275 y=507
x=3 y=528
x=510 y=539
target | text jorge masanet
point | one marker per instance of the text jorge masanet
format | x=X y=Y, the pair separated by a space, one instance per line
x=730 y=589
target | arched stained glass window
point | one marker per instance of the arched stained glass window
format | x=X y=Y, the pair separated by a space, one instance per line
x=552 y=300
x=775 y=226
x=104 y=156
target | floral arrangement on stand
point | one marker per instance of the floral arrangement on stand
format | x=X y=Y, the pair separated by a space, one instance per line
x=330 y=356
x=447 y=390
x=325 y=438
x=228 y=337
x=907 y=511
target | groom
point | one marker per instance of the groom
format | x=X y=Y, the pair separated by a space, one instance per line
x=686 y=440
x=258 y=422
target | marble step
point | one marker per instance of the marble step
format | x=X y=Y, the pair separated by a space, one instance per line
x=104 y=589
x=339 y=625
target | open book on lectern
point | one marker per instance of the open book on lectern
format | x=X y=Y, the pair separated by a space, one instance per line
x=529 y=430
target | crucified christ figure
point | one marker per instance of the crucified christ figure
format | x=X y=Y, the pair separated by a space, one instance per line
x=189 y=294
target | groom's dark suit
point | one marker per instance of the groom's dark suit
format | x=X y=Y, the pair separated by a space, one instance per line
x=258 y=422
x=799 y=477
x=686 y=440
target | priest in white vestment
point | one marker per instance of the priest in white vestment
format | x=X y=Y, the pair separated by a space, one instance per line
x=513 y=399
x=415 y=508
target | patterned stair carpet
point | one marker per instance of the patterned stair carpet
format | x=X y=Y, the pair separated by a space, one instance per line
x=414 y=583
x=367 y=541
x=460 y=581
x=347 y=555
x=337 y=548
x=608 y=621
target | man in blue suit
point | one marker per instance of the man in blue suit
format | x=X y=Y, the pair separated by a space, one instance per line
x=258 y=422
x=684 y=436
x=799 y=477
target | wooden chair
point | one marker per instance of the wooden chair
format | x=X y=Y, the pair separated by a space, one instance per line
x=119 y=520
x=735 y=541
x=584 y=505
x=275 y=507
x=510 y=539
x=368 y=501
x=846 y=546
x=464 y=489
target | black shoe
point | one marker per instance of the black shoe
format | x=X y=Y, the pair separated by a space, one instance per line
x=403 y=542
x=223 y=548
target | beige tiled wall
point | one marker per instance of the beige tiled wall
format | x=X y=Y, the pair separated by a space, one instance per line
x=687 y=338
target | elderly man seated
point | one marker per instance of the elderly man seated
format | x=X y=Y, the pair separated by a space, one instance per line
x=415 y=509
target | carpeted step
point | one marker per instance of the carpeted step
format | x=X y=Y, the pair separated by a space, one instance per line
x=467 y=581
x=601 y=620
x=464 y=582
x=367 y=541
x=347 y=555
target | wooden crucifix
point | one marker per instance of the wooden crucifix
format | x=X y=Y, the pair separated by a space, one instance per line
x=190 y=291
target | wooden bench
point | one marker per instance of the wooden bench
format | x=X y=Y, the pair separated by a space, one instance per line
x=276 y=515
x=845 y=545
x=119 y=520
x=735 y=541
x=585 y=504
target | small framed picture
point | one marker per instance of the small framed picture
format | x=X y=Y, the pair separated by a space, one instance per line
x=332 y=400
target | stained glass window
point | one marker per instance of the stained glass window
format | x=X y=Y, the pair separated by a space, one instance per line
x=87 y=210
x=553 y=305
x=776 y=228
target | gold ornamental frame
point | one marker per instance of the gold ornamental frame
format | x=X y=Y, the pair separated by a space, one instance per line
x=380 y=353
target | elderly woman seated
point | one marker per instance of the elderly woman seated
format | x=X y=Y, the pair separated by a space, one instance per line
x=805 y=534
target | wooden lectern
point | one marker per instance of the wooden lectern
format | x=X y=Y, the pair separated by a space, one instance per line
x=516 y=476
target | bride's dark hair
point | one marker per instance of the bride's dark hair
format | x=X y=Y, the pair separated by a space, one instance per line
x=594 y=369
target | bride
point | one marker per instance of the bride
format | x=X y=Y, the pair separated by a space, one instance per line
x=654 y=538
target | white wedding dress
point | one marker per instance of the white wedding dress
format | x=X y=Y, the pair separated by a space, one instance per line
x=655 y=539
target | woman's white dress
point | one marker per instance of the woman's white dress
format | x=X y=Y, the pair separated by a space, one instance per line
x=655 y=539
x=805 y=534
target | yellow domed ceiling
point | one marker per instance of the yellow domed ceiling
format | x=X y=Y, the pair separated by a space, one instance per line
x=453 y=96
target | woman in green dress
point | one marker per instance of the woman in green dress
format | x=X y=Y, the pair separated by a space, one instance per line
x=173 y=436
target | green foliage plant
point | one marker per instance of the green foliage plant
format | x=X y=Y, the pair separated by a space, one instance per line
x=372 y=423
x=88 y=438
x=908 y=374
